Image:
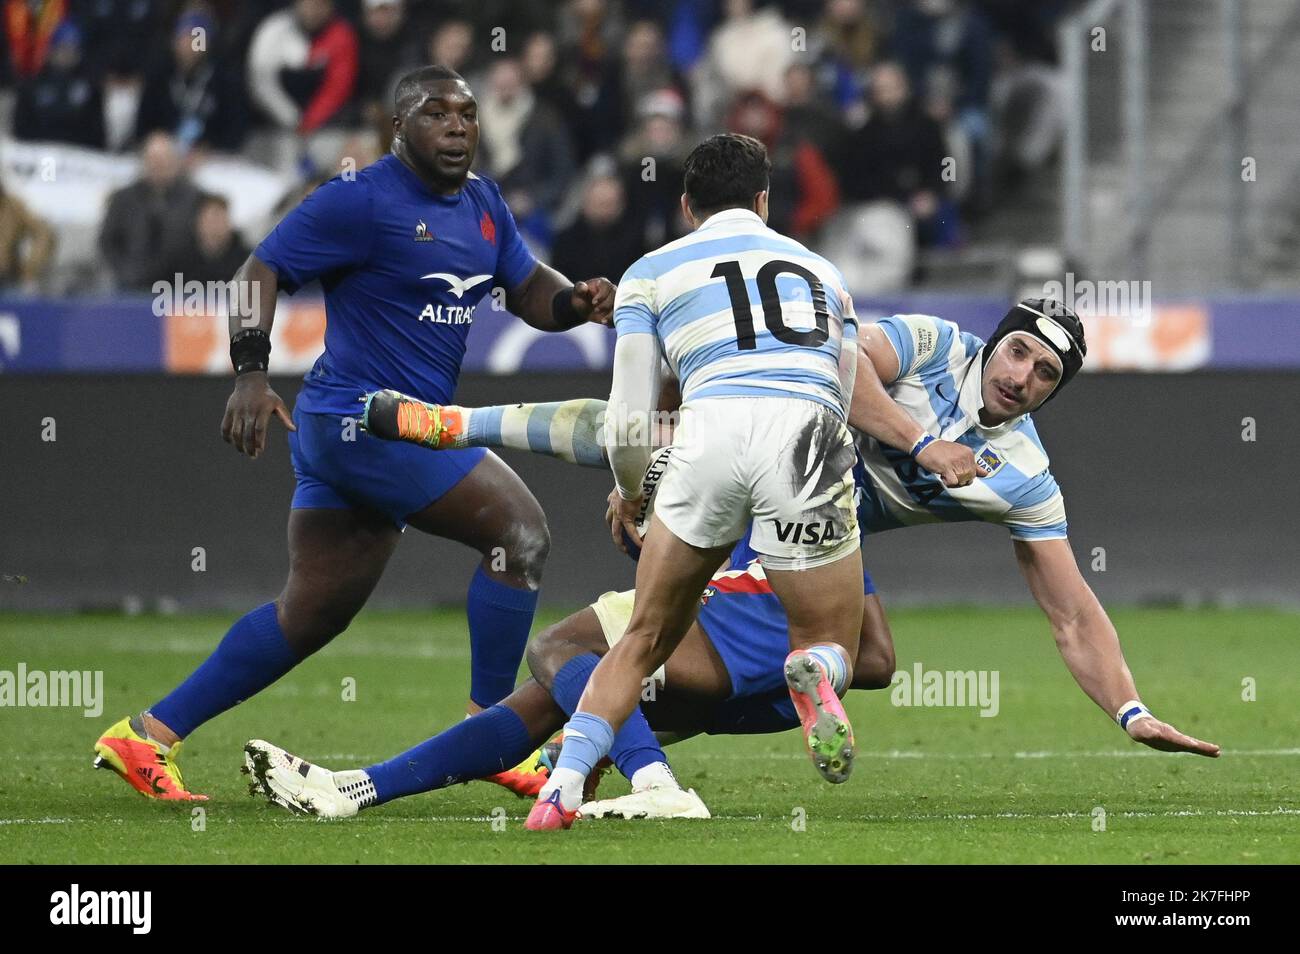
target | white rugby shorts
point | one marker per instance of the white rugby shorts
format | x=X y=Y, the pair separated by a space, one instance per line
x=787 y=463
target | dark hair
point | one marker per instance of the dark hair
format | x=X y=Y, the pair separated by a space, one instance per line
x=725 y=171
x=213 y=198
x=413 y=83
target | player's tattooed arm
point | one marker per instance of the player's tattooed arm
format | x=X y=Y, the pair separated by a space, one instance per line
x=1088 y=643
x=253 y=402
x=534 y=300
x=875 y=413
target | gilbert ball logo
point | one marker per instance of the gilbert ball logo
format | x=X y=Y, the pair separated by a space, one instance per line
x=75 y=907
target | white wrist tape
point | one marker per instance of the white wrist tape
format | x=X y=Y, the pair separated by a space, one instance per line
x=1131 y=712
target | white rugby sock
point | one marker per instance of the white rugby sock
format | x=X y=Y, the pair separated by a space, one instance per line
x=355 y=785
x=569 y=782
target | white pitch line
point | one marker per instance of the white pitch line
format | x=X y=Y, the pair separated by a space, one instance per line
x=983 y=816
x=901 y=754
x=41 y=821
x=967 y=756
x=901 y=817
x=340 y=647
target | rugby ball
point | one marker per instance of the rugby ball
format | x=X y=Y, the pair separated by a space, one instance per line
x=649 y=484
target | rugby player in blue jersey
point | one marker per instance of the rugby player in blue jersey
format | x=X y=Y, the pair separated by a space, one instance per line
x=404 y=250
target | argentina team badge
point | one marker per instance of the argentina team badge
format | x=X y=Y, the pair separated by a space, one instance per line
x=988 y=461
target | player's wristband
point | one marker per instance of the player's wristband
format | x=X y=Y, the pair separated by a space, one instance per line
x=1131 y=712
x=563 y=312
x=250 y=350
x=925 y=441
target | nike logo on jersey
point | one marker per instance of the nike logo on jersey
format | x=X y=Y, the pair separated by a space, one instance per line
x=458 y=286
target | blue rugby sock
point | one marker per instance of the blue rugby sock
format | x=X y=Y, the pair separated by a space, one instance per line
x=491 y=741
x=500 y=618
x=252 y=655
x=635 y=745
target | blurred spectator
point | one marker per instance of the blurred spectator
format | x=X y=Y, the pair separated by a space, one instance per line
x=214 y=252
x=846 y=42
x=518 y=19
x=807 y=115
x=388 y=49
x=118 y=32
x=949 y=42
x=605 y=239
x=947 y=35
x=750 y=50
x=589 y=34
x=26 y=245
x=523 y=145
x=589 y=31
x=145 y=219
x=897 y=155
x=652 y=161
x=452 y=45
x=1029 y=28
x=61 y=103
x=302 y=66
x=540 y=62
x=968 y=189
x=645 y=69
x=29 y=29
x=1027 y=115
x=190 y=93
x=803 y=192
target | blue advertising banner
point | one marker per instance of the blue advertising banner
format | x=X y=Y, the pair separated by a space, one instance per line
x=137 y=334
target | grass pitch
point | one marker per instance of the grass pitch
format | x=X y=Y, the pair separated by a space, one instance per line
x=932 y=784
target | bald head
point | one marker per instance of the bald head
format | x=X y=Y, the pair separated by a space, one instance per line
x=160 y=161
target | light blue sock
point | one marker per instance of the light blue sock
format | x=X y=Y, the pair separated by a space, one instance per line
x=635 y=745
x=569 y=430
x=587 y=739
x=832 y=661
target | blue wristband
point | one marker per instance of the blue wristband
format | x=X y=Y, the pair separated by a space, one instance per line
x=921 y=445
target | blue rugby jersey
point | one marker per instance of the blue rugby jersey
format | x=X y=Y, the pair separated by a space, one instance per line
x=940 y=373
x=741 y=310
x=402 y=269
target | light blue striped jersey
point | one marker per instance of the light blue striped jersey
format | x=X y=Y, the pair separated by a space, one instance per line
x=940 y=372
x=741 y=310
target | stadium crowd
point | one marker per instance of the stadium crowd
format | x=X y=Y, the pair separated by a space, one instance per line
x=891 y=124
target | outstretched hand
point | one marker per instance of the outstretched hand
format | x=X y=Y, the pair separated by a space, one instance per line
x=1163 y=736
